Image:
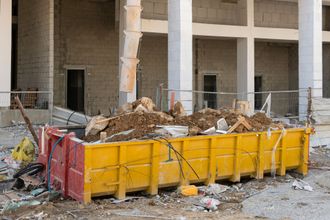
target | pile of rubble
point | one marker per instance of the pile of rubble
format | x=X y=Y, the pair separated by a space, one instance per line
x=141 y=119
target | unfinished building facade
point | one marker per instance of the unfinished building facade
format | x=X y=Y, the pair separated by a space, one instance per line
x=71 y=48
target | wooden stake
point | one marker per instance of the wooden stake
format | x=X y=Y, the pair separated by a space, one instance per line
x=27 y=120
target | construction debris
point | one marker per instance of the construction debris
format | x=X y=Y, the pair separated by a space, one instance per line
x=299 y=184
x=96 y=125
x=24 y=152
x=142 y=119
x=146 y=103
x=189 y=190
x=210 y=203
x=178 y=110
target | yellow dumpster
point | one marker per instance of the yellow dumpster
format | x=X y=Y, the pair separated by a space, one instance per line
x=91 y=170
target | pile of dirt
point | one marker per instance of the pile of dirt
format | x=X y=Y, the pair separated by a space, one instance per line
x=142 y=123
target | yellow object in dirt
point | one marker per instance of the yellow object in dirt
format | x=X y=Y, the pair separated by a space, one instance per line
x=24 y=151
x=190 y=190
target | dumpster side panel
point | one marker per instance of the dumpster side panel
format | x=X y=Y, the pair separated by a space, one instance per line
x=74 y=186
x=117 y=168
x=84 y=170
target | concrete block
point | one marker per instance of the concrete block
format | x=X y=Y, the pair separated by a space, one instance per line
x=160 y=8
x=202 y=12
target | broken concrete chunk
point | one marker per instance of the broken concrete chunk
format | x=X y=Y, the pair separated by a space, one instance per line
x=193 y=131
x=145 y=102
x=96 y=125
x=141 y=108
x=178 y=110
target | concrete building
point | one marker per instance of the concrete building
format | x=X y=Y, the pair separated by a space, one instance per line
x=72 y=48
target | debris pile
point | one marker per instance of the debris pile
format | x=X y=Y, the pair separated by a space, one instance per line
x=140 y=119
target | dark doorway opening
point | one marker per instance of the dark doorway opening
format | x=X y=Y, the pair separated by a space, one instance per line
x=75 y=95
x=210 y=85
x=258 y=88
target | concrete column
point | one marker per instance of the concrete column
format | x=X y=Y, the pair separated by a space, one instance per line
x=250 y=13
x=245 y=70
x=5 y=51
x=124 y=97
x=310 y=51
x=180 y=51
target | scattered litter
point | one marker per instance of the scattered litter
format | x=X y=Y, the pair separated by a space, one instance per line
x=127 y=199
x=37 y=192
x=24 y=152
x=210 y=203
x=213 y=189
x=299 y=184
x=12 y=205
x=190 y=190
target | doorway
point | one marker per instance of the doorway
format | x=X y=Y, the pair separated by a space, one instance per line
x=258 y=88
x=75 y=93
x=210 y=85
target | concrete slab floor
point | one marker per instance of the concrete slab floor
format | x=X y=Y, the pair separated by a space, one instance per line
x=283 y=202
x=11 y=136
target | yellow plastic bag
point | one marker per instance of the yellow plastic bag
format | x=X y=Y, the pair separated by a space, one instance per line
x=24 y=151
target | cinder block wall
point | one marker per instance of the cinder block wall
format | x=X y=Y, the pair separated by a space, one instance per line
x=153 y=65
x=276 y=14
x=216 y=57
x=33 y=45
x=86 y=38
x=272 y=63
x=210 y=11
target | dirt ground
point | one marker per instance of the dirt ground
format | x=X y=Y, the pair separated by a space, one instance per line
x=270 y=198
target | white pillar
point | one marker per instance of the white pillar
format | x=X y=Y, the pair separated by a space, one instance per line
x=5 y=51
x=180 y=51
x=245 y=70
x=245 y=59
x=125 y=97
x=310 y=51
